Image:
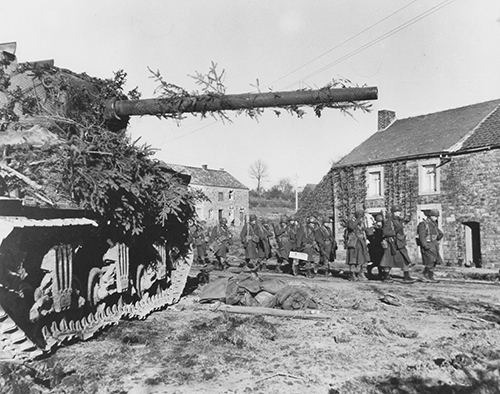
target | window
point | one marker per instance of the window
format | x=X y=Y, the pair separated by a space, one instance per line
x=210 y=213
x=230 y=196
x=428 y=178
x=221 y=196
x=375 y=182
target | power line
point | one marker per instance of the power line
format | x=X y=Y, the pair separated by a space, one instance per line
x=191 y=132
x=380 y=38
x=343 y=42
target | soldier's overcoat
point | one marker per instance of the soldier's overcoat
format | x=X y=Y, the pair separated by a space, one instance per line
x=429 y=236
x=396 y=254
x=220 y=239
x=251 y=236
x=282 y=235
x=357 y=251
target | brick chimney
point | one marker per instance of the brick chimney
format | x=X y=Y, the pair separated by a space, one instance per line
x=204 y=166
x=385 y=118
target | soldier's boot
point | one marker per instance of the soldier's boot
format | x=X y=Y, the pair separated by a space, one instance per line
x=295 y=269
x=407 y=278
x=327 y=269
x=361 y=275
x=386 y=276
x=431 y=277
x=369 y=269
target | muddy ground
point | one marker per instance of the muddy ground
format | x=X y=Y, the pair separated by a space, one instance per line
x=441 y=338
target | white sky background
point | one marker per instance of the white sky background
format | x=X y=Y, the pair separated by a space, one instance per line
x=448 y=59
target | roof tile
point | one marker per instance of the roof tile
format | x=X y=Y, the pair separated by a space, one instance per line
x=209 y=177
x=427 y=134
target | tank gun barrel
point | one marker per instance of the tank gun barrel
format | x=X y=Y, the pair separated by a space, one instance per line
x=215 y=102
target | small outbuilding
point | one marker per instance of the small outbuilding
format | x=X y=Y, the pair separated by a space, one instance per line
x=227 y=197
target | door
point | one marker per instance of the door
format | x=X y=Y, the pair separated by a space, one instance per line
x=472 y=242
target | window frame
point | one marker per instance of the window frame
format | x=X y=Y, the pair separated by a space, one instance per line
x=422 y=177
x=220 y=196
x=371 y=170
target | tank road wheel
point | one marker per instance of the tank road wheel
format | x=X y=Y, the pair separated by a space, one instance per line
x=93 y=286
x=139 y=280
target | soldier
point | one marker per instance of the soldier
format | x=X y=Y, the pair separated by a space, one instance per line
x=200 y=241
x=396 y=254
x=327 y=243
x=375 y=246
x=428 y=239
x=220 y=239
x=251 y=236
x=283 y=241
x=357 y=252
x=307 y=242
x=266 y=240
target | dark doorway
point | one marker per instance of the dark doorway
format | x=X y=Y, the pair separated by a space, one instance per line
x=472 y=243
x=220 y=214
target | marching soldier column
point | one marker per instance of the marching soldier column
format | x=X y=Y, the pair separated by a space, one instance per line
x=371 y=242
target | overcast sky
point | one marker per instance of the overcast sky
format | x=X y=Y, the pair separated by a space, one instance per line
x=448 y=58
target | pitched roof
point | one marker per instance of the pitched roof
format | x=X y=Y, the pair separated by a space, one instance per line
x=475 y=125
x=486 y=134
x=209 y=177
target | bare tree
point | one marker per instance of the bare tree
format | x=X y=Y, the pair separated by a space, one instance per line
x=285 y=186
x=258 y=171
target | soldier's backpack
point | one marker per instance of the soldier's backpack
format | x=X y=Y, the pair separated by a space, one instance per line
x=417 y=238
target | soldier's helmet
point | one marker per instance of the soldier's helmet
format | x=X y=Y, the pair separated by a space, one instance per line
x=433 y=212
x=396 y=208
x=252 y=217
x=223 y=221
x=312 y=220
x=283 y=219
x=379 y=218
x=359 y=213
x=327 y=219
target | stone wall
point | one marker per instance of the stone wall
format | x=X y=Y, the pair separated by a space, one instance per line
x=234 y=205
x=472 y=194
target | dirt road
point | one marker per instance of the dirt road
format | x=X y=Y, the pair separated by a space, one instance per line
x=438 y=338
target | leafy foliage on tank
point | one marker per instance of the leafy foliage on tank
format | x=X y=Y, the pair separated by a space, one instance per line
x=87 y=161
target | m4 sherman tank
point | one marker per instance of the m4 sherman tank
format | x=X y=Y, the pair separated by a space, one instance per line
x=68 y=266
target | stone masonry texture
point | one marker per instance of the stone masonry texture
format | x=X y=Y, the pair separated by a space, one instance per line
x=469 y=192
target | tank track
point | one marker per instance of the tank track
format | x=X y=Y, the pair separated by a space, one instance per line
x=15 y=345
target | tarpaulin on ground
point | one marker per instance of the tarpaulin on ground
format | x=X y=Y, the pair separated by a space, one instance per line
x=249 y=290
x=214 y=291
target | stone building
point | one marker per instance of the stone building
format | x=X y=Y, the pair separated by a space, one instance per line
x=227 y=196
x=448 y=160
